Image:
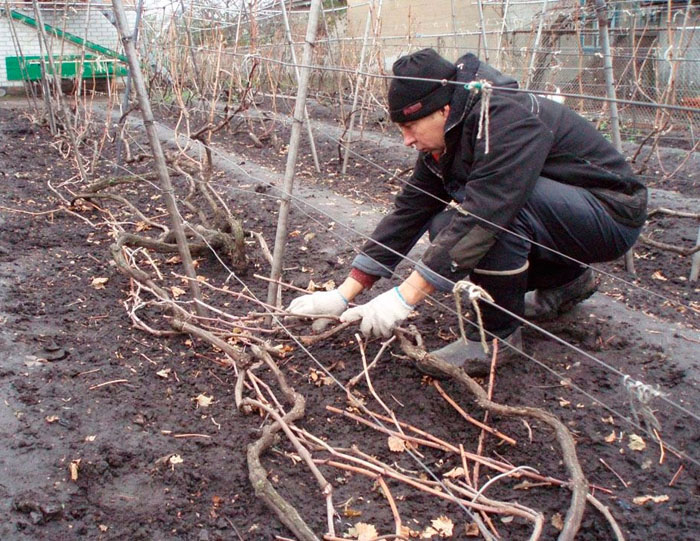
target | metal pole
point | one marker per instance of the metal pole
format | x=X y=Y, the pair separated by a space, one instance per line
x=500 y=36
x=531 y=71
x=288 y=31
x=195 y=66
x=158 y=157
x=283 y=219
x=604 y=35
x=127 y=90
x=30 y=90
x=375 y=32
x=358 y=83
x=483 y=30
x=454 y=29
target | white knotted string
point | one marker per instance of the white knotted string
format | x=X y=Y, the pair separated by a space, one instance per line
x=640 y=394
x=486 y=90
x=475 y=293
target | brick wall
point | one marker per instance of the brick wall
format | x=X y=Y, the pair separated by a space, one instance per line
x=99 y=30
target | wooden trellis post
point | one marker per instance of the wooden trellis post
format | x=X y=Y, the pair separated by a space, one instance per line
x=64 y=113
x=288 y=31
x=358 y=83
x=158 y=156
x=127 y=90
x=283 y=219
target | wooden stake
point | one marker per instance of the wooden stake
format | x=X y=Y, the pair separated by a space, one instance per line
x=283 y=220
x=159 y=157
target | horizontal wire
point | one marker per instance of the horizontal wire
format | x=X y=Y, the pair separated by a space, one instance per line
x=560 y=376
x=450 y=309
x=501 y=228
x=694 y=110
x=302 y=347
x=280 y=323
x=224 y=156
x=393 y=176
x=447 y=307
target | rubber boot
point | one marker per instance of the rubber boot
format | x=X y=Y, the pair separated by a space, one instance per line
x=471 y=356
x=549 y=303
x=508 y=292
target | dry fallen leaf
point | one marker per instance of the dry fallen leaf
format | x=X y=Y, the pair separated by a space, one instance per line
x=163 y=373
x=312 y=286
x=525 y=485
x=177 y=291
x=454 y=473
x=641 y=500
x=396 y=444
x=610 y=438
x=363 y=532
x=175 y=459
x=408 y=532
x=472 y=530
x=99 y=283
x=428 y=533
x=558 y=521
x=351 y=513
x=563 y=402
x=636 y=443
x=203 y=401
x=658 y=276
x=329 y=285
x=51 y=419
x=443 y=525
x=90 y=438
x=103 y=527
x=608 y=420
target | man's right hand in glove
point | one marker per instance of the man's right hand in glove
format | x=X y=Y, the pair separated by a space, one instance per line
x=321 y=303
x=326 y=303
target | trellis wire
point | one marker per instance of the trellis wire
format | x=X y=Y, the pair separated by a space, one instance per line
x=603 y=364
x=627 y=381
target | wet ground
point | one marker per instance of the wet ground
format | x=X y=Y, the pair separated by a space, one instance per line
x=94 y=410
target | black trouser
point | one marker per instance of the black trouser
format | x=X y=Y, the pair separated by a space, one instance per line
x=558 y=220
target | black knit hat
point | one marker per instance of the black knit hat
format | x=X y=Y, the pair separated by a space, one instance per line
x=410 y=99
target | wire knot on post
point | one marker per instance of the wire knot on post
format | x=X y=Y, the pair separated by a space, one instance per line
x=475 y=293
x=640 y=394
x=485 y=88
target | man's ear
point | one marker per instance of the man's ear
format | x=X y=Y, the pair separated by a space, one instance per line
x=446 y=110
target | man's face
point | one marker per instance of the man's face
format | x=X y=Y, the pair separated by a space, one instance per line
x=426 y=134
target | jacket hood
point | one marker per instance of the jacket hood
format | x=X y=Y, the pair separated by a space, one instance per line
x=470 y=68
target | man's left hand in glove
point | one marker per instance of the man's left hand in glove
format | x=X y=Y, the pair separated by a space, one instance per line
x=380 y=315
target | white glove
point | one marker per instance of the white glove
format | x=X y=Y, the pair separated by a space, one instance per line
x=321 y=303
x=380 y=315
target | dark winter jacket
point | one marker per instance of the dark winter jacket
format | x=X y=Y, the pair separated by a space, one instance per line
x=529 y=137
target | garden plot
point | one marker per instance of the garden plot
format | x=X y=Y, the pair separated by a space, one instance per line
x=113 y=432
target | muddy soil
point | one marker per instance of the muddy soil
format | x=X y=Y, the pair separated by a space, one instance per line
x=85 y=395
